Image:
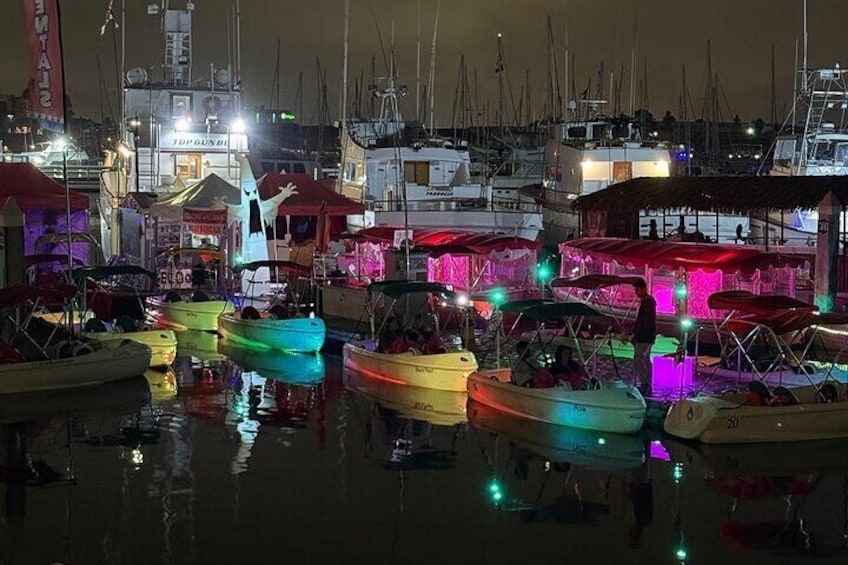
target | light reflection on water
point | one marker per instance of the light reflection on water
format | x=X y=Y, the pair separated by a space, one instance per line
x=230 y=464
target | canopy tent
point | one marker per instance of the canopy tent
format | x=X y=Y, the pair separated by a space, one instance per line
x=682 y=276
x=760 y=305
x=211 y=193
x=44 y=202
x=469 y=261
x=707 y=257
x=396 y=289
x=310 y=195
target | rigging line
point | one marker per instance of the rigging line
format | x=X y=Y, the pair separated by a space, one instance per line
x=379 y=36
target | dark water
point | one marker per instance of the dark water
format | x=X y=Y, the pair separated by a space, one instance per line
x=229 y=466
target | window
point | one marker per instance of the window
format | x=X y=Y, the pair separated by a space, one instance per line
x=180 y=105
x=267 y=166
x=298 y=168
x=417 y=172
x=622 y=171
x=187 y=166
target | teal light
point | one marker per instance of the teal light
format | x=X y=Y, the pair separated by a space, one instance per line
x=543 y=273
x=686 y=324
x=287 y=116
x=602 y=441
x=495 y=491
x=680 y=291
x=680 y=553
x=237 y=259
x=678 y=472
x=497 y=296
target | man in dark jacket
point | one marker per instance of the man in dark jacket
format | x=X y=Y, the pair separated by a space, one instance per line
x=644 y=335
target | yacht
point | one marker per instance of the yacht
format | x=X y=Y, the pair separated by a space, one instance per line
x=584 y=156
x=407 y=177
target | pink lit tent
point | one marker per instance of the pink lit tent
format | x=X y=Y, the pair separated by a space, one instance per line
x=471 y=262
x=44 y=204
x=703 y=268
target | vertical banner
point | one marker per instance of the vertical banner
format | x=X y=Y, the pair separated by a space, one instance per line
x=46 y=88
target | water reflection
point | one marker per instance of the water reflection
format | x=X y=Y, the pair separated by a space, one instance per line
x=415 y=428
x=782 y=501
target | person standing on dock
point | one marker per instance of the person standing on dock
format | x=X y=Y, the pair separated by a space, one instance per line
x=644 y=335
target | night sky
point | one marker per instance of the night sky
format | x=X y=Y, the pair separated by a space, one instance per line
x=670 y=34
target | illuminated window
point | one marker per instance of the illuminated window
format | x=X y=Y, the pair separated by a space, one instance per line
x=417 y=172
x=181 y=105
x=187 y=166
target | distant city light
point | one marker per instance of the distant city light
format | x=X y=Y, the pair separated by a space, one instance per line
x=182 y=124
x=750 y=130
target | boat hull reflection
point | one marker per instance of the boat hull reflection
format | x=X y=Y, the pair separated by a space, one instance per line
x=296 y=368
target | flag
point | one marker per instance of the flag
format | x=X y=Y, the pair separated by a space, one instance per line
x=46 y=88
x=110 y=18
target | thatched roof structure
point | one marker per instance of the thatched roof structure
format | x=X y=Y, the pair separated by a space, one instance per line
x=742 y=195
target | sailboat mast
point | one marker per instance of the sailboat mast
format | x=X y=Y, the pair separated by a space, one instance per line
x=432 y=86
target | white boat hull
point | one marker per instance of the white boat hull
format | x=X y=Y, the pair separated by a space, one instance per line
x=162 y=343
x=110 y=362
x=727 y=418
x=182 y=315
x=616 y=407
x=442 y=371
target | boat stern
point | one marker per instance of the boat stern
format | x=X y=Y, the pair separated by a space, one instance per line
x=690 y=418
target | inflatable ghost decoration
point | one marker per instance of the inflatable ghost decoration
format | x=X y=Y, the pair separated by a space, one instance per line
x=255 y=214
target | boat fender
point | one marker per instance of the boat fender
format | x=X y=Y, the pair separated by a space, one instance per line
x=62 y=350
x=81 y=348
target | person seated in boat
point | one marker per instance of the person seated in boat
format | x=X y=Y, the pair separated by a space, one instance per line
x=431 y=343
x=390 y=333
x=566 y=370
x=404 y=342
x=543 y=378
x=524 y=368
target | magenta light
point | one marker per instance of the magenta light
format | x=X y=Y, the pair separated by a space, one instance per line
x=664 y=296
x=658 y=451
x=700 y=286
x=668 y=374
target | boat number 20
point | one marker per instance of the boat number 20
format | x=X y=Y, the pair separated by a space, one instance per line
x=732 y=423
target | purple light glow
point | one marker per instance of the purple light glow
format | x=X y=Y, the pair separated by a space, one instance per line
x=668 y=374
x=701 y=286
x=658 y=451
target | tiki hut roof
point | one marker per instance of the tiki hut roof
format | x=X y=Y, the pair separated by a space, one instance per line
x=716 y=194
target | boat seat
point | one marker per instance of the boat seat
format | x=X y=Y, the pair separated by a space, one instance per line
x=278 y=312
x=126 y=324
x=94 y=325
x=199 y=296
x=828 y=393
x=784 y=397
x=172 y=296
x=250 y=313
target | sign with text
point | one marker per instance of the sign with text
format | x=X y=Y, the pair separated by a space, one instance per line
x=202 y=142
x=46 y=87
x=174 y=279
x=205 y=222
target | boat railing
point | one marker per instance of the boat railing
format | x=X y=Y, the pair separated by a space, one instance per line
x=452 y=205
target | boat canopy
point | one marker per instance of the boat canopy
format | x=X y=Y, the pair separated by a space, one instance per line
x=20 y=293
x=546 y=312
x=707 y=257
x=106 y=271
x=519 y=306
x=33 y=190
x=786 y=321
x=396 y=289
x=756 y=304
x=591 y=282
x=450 y=241
x=287 y=266
x=41 y=258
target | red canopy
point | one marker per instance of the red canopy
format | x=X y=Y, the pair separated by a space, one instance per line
x=310 y=195
x=449 y=241
x=33 y=190
x=689 y=256
x=757 y=304
x=20 y=293
x=592 y=282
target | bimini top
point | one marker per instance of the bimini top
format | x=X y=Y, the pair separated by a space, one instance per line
x=450 y=241
x=287 y=266
x=20 y=293
x=519 y=306
x=106 y=271
x=592 y=282
x=396 y=289
x=202 y=252
x=756 y=304
x=674 y=255
x=787 y=321
x=545 y=311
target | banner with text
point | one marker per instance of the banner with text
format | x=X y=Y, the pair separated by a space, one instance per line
x=205 y=222
x=46 y=89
